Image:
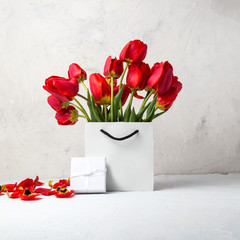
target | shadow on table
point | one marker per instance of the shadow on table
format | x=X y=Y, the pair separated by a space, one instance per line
x=195 y=181
x=173 y=184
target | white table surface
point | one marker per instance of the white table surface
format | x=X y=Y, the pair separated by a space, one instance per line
x=197 y=207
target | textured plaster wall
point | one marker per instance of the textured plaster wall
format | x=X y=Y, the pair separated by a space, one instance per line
x=200 y=133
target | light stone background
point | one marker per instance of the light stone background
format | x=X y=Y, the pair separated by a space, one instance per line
x=199 y=134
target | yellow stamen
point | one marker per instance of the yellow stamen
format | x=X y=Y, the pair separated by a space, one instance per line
x=50 y=184
x=6 y=190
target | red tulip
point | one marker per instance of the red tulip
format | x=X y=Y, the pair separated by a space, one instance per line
x=62 y=192
x=160 y=77
x=57 y=104
x=62 y=88
x=100 y=89
x=113 y=68
x=134 y=52
x=28 y=195
x=68 y=116
x=137 y=75
x=62 y=183
x=166 y=100
x=75 y=71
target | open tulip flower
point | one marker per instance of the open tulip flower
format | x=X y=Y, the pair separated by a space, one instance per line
x=124 y=80
x=62 y=88
x=28 y=195
x=63 y=192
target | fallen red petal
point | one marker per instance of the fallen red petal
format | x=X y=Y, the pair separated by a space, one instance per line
x=44 y=191
x=10 y=187
x=40 y=183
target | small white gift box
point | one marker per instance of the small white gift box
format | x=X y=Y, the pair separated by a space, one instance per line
x=128 y=148
x=88 y=174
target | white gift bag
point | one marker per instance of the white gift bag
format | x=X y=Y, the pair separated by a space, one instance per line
x=128 y=148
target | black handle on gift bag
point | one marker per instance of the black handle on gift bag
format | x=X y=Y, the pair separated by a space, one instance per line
x=119 y=139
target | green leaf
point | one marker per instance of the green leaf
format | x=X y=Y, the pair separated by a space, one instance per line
x=140 y=114
x=89 y=103
x=97 y=116
x=127 y=114
x=116 y=102
x=152 y=106
x=158 y=114
x=151 y=111
x=133 y=116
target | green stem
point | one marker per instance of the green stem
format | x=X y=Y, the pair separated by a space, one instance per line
x=111 y=99
x=83 y=110
x=105 y=112
x=149 y=94
x=120 y=86
x=82 y=97
x=76 y=106
x=131 y=98
x=84 y=86
x=82 y=116
x=124 y=71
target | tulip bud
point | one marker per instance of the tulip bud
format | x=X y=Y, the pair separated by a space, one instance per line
x=75 y=71
x=134 y=52
x=160 y=77
x=137 y=76
x=68 y=116
x=113 y=68
x=57 y=104
x=100 y=89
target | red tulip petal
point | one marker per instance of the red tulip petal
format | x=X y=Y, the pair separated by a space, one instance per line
x=44 y=191
x=10 y=187
x=15 y=194
x=177 y=85
x=25 y=183
x=138 y=96
x=40 y=183
x=133 y=76
x=107 y=66
x=155 y=74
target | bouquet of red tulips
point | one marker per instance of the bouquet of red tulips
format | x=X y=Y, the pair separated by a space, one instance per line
x=108 y=94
